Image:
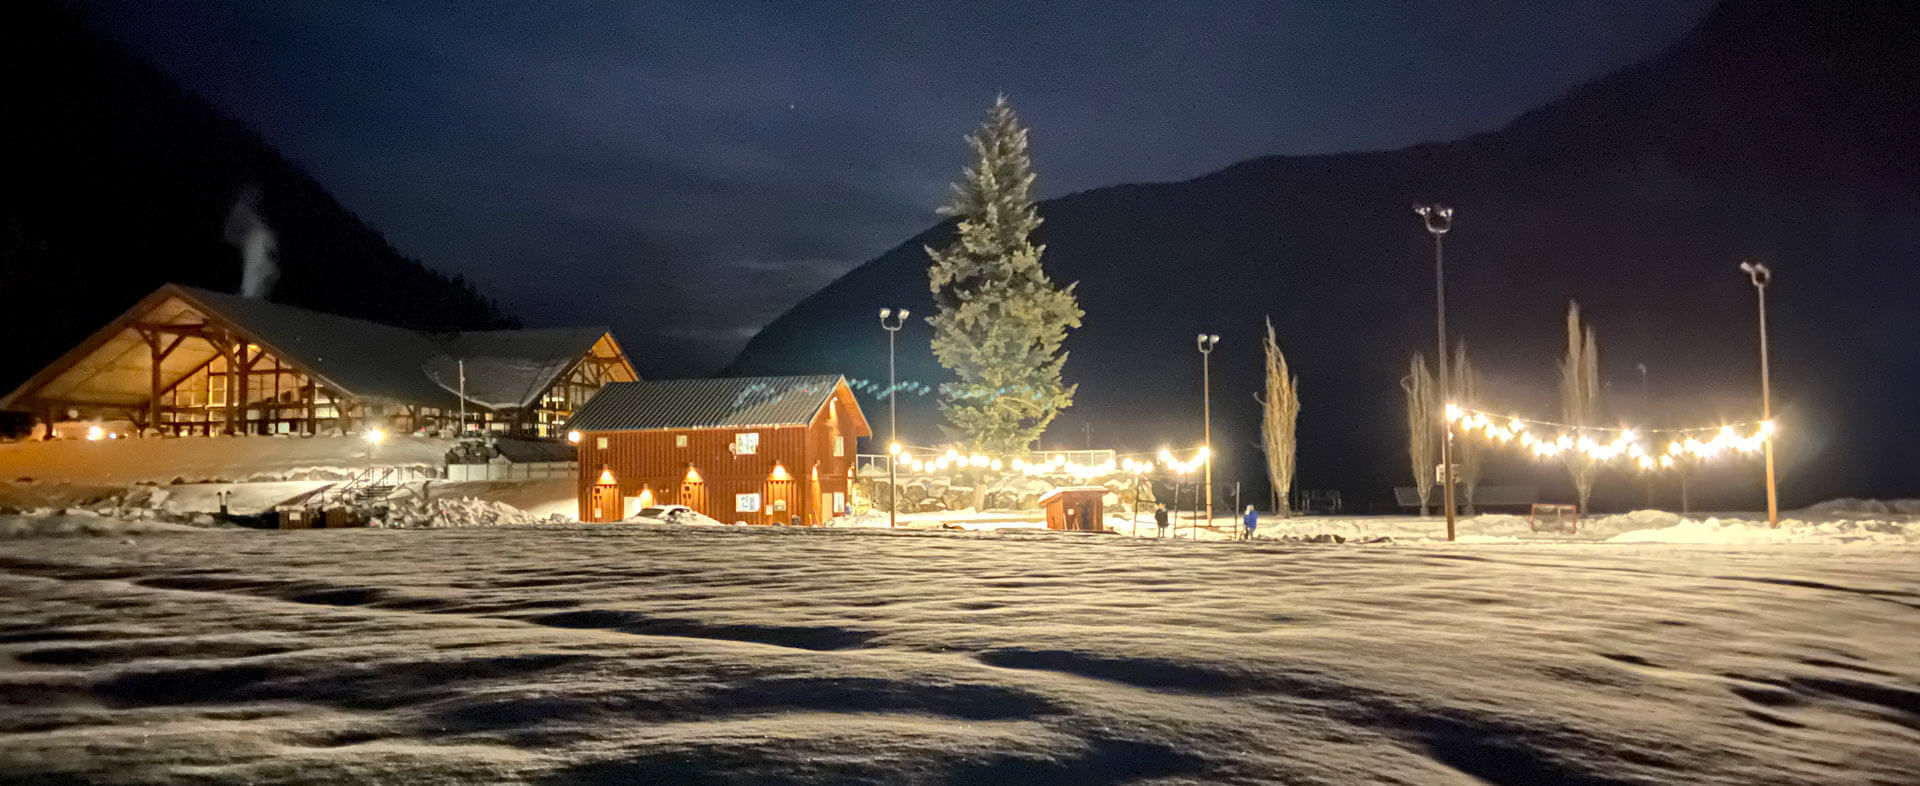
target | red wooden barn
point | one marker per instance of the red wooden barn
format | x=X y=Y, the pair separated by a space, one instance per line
x=760 y=450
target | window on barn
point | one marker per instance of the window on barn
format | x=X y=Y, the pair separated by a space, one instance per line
x=839 y=446
x=600 y=443
x=679 y=440
x=746 y=443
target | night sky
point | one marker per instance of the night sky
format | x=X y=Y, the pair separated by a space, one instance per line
x=685 y=172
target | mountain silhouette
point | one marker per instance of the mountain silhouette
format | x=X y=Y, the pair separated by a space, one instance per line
x=1787 y=132
x=119 y=180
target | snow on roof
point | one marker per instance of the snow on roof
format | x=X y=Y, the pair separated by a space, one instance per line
x=736 y=402
x=369 y=360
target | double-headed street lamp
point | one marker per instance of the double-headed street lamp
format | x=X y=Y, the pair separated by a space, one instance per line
x=899 y=320
x=1205 y=342
x=1439 y=219
x=1761 y=277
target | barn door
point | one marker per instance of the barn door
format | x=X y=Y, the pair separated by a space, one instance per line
x=605 y=504
x=694 y=495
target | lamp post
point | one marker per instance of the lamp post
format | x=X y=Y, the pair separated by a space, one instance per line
x=1439 y=219
x=893 y=421
x=1646 y=416
x=374 y=438
x=1205 y=342
x=1761 y=277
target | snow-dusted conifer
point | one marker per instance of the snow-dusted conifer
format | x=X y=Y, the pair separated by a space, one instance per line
x=998 y=321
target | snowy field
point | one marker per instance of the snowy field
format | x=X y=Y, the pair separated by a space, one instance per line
x=604 y=655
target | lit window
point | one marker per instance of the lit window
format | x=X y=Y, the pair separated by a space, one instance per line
x=600 y=443
x=746 y=503
x=746 y=443
x=679 y=440
x=839 y=446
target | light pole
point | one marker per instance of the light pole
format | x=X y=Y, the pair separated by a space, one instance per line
x=1205 y=342
x=1646 y=416
x=1439 y=219
x=1761 y=277
x=893 y=421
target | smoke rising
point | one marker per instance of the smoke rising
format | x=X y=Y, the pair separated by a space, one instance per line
x=258 y=249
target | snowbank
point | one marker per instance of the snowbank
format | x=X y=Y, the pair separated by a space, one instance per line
x=206 y=459
x=1850 y=506
x=82 y=524
x=451 y=513
x=1742 y=532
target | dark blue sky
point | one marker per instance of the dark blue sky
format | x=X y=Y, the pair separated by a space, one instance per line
x=687 y=171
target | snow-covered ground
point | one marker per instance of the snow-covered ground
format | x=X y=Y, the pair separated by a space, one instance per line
x=1832 y=523
x=633 y=654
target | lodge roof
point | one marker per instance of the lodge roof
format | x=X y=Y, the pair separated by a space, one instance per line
x=736 y=402
x=355 y=357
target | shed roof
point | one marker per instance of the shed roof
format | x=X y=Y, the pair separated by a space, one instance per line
x=736 y=402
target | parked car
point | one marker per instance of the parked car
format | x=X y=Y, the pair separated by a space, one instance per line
x=663 y=514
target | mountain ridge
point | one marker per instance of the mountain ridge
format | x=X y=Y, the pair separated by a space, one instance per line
x=1634 y=194
x=124 y=179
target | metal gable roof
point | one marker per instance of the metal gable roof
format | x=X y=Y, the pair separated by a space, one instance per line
x=510 y=368
x=738 y=402
x=361 y=358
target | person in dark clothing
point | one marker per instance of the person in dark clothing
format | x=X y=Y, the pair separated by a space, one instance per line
x=1160 y=519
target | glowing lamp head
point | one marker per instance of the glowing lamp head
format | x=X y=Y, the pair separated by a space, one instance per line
x=886 y=312
x=96 y=433
x=903 y=314
x=1453 y=412
x=375 y=436
x=1766 y=427
x=893 y=449
x=573 y=437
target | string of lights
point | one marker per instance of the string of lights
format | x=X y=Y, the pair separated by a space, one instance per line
x=1605 y=444
x=1044 y=463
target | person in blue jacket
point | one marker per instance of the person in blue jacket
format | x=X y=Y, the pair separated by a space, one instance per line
x=1252 y=520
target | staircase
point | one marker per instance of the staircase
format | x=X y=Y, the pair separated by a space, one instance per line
x=367 y=489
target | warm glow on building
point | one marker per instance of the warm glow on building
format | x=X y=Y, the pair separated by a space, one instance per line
x=606 y=477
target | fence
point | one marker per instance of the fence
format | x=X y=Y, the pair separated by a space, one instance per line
x=874 y=464
x=507 y=471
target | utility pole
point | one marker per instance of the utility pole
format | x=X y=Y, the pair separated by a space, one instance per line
x=1646 y=416
x=1761 y=277
x=893 y=417
x=1439 y=219
x=1206 y=342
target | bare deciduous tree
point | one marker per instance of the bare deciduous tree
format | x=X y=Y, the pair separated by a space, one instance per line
x=1279 y=413
x=1422 y=418
x=1580 y=397
x=1468 y=452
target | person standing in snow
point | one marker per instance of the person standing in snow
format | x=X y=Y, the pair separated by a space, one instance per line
x=1160 y=519
x=1252 y=521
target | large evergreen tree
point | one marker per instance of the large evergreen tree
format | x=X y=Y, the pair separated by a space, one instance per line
x=998 y=321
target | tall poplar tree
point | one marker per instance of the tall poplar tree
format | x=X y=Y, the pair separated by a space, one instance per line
x=1580 y=398
x=1279 y=415
x=998 y=321
x=1423 y=419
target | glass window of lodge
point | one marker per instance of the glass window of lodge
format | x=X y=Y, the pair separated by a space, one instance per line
x=746 y=443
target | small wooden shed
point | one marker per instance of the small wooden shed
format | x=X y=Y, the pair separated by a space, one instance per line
x=1075 y=508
